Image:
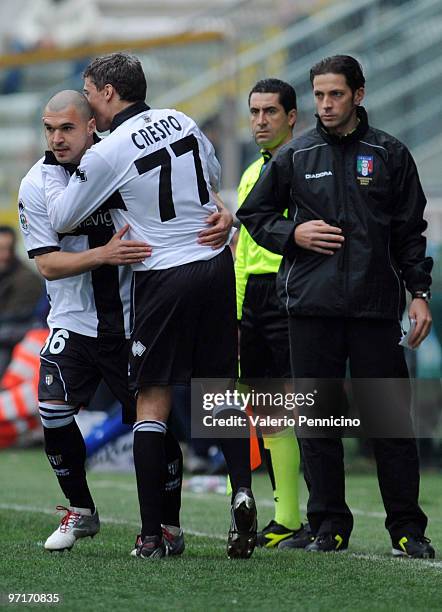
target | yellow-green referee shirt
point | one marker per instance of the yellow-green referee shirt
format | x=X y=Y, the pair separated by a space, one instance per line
x=250 y=257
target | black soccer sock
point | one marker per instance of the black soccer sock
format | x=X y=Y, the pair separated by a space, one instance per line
x=150 y=468
x=237 y=455
x=174 y=480
x=66 y=451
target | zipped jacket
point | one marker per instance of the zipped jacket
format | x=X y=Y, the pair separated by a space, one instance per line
x=365 y=183
x=250 y=258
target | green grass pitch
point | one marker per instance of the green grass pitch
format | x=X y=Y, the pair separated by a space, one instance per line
x=99 y=574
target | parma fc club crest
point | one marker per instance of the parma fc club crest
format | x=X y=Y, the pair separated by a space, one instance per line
x=55 y=460
x=364 y=168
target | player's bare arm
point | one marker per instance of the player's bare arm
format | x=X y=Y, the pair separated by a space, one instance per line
x=117 y=252
x=319 y=236
x=220 y=222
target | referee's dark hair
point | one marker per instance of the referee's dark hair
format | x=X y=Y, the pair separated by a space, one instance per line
x=341 y=64
x=287 y=95
x=121 y=70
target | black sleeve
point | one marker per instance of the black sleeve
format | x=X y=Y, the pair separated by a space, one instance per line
x=42 y=251
x=408 y=244
x=262 y=211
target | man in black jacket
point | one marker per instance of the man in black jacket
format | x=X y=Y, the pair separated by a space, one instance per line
x=351 y=243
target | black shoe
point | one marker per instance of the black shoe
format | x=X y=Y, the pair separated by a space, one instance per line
x=150 y=547
x=327 y=542
x=174 y=543
x=301 y=538
x=415 y=547
x=242 y=534
x=273 y=534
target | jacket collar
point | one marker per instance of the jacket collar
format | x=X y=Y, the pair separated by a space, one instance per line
x=357 y=133
x=127 y=113
x=266 y=155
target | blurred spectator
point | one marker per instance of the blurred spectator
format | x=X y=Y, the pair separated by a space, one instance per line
x=52 y=24
x=20 y=292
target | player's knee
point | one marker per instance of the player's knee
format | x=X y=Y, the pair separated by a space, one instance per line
x=154 y=403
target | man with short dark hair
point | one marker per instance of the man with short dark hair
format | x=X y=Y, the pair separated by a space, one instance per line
x=89 y=314
x=351 y=244
x=88 y=320
x=164 y=170
x=263 y=322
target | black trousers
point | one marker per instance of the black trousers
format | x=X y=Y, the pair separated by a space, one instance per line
x=264 y=341
x=320 y=348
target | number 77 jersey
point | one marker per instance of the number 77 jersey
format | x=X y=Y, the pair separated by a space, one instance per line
x=164 y=169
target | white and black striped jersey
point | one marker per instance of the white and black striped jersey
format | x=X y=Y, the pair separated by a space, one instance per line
x=164 y=169
x=92 y=303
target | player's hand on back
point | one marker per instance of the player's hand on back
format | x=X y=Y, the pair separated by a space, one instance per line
x=220 y=223
x=119 y=252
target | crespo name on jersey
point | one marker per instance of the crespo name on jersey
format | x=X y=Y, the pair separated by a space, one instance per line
x=156 y=132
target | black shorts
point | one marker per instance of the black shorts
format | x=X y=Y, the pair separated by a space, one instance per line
x=184 y=323
x=72 y=366
x=264 y=342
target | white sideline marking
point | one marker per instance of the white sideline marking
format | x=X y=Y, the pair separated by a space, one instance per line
x=264 y=503
x=417 y=563
x=104 y=519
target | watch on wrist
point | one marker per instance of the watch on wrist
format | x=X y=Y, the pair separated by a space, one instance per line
x=423 y=295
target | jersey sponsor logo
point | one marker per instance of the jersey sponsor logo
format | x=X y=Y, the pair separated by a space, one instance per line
x=97 y=219
x=22 y=217
x=80 y=175
x=318 y=175
x=138 y=348
x=364 y=168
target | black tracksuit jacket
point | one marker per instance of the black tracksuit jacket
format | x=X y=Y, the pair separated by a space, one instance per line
x=367 y=184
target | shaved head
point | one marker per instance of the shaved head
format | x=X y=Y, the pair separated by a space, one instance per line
x=69 y=97
x=69 y=126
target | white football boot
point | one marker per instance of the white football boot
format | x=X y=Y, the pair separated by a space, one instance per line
x=73 y=526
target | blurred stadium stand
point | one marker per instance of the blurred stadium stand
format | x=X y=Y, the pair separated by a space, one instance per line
x=203 y=57
x=204 y=60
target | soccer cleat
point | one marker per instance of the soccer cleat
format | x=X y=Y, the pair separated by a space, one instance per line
x=415 y=547
x=73 y=526
x=241 y=540
x=150 y=547
x=301 y=538
x=174 y=543
x=327 y=542
x=272 y=534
